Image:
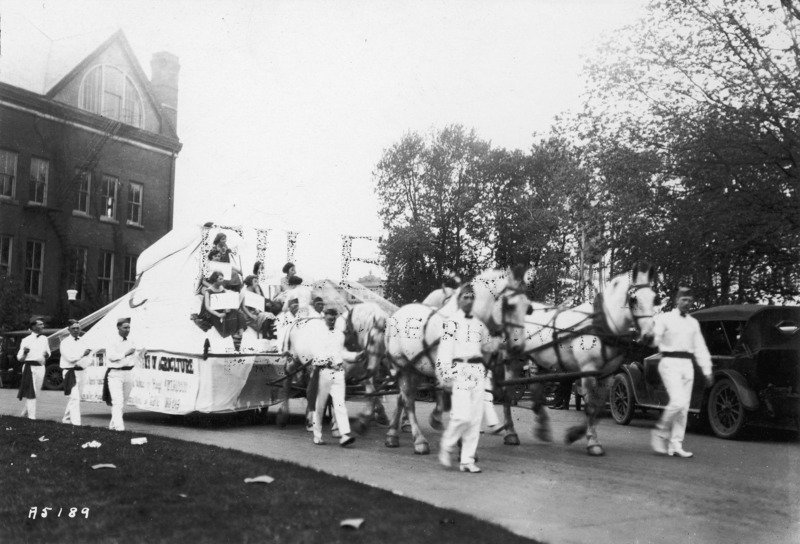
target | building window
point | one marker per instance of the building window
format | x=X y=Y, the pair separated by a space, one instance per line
x=5 y=255
x=34 y=265
x=108 y=91
x=105 y=276
x=129 y=274
x=8 y=173
x=77 y=270
x=84 y=190
x=135 y=198
x=108 y=197
x=40 y=170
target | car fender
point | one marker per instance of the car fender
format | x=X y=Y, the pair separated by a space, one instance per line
x=746 y=394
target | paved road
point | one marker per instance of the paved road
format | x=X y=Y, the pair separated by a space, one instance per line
x=734 y=492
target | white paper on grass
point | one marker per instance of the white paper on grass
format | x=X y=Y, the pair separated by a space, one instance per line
x=216 y=266
x=138 y=441
x=263 y=479
x=229 y=300
x=103 y=465
x=253 y=300
x=353 y=523
x=92 y=444
x=43 y=439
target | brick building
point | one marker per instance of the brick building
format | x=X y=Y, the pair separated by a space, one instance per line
x=88 y=150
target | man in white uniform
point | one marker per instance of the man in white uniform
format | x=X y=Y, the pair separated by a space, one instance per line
x=33 y=353
x=72 y=354
x=678 y=337
x=329 y=356
x=120 y=360
x=465 y=341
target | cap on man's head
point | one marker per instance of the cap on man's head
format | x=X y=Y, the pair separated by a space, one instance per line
x=123 y=320
x=331 y=311
x=318 y=299
x=684 y=291
x=73 y=322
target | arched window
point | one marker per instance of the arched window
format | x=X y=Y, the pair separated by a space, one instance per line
x=108 y=91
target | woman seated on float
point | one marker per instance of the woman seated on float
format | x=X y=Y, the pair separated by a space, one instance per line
x=258 y=318
x=225 y=321
x=222 y=254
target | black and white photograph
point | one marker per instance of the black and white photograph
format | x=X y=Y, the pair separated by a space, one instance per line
x=402 y=271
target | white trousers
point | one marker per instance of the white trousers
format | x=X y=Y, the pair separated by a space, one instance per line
x=469 y=397
x=38 y=379
x=678 y=377
x=73 y=412
x=331 y=382
x=120 y=384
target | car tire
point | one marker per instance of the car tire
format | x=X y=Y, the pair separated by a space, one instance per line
x=726 y=413
x=53 y=378
x=621 y=400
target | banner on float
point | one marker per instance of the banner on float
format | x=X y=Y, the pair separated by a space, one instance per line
x=166 y=383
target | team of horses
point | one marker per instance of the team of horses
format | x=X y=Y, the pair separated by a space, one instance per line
x=587 y=341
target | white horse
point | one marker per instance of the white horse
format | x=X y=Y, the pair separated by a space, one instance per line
x=586 y=339
x=363 y=326
x=412 y=339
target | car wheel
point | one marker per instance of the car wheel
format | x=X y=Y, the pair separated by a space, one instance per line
x=53 y=378
x=621 y=399
x=726 y=413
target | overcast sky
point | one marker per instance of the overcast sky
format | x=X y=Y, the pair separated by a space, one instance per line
x=287 y=106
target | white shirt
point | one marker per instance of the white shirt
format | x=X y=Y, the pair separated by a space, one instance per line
x=674 y=332
x=71 y=352
x=329 y=347
x=115 y=353
x=462 y=338
x=301 y=293
x=38 y=346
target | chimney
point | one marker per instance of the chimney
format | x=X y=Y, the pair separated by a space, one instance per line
x=164 y=67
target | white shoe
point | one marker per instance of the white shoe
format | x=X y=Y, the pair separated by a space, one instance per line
x=659 y=444
x=444 y=458
x=469 y=467
x=318 y=441
x=679 y=452
x=335 y=433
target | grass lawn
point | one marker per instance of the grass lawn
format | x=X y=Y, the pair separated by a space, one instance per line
x=173 y=491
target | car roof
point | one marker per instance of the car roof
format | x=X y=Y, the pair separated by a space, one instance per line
x=731 y=312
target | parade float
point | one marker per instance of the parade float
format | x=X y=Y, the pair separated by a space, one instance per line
x=183 y=364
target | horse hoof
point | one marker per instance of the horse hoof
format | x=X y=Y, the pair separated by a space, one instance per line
x=281 y=420
x=511 y=440
x=573 y=434
x=422 y=449
x=596 y=451
x=392 y=442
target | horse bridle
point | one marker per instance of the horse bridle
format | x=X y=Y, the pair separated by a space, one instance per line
x=632 y=301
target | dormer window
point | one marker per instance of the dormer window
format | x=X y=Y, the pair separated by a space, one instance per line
x=108 y=91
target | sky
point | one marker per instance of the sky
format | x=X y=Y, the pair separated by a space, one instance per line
x=286 y=107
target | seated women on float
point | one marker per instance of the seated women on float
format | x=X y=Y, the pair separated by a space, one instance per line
x=256 y=317
x=221 y=253
x=224 y=321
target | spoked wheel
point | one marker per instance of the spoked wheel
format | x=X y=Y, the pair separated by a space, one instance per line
x=621 y=399
x=53 y=378
x=726 y=413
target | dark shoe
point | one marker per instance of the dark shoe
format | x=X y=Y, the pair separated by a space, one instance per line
x=346 y=440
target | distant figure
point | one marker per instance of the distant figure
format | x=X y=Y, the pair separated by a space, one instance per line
x=299 y=292
x=33 y=353
x=289 y=270
x=438 y=298
x=317 y=307
x=72 y=360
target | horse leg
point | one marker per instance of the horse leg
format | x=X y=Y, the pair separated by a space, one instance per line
x=596 y=398
x=436 y=415
x=510 y=436
x=408 y=391
x=579 y=431
x=370 y=406
x=392 y=434
x=541 y=421
x=282 y=417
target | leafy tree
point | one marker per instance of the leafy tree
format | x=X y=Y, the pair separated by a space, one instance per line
x=14 y=305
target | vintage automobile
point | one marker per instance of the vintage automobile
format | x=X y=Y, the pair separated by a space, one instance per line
x=11 y=369
x=755 y=351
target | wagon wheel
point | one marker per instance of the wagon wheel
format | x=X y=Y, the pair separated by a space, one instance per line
x=53 y=378
x=620 y=400
x=726 y=413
